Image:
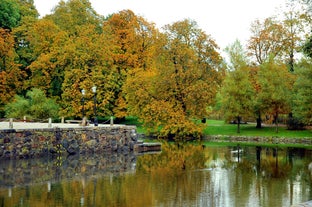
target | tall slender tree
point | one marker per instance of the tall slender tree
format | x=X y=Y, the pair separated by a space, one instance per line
x=237 y=91
x=296 y=23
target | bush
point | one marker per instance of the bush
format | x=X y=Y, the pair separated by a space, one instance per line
x=35 y=106
x=18 y=108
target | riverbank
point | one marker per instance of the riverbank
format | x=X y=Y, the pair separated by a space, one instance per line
x=305 y=142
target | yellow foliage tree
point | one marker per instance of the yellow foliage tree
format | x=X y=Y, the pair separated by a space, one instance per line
x=172 y=95
x=132 y=41
x=10 y=74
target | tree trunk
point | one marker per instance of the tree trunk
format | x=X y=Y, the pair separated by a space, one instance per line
x=238 y=124
x=276 y=122
x=258 y=126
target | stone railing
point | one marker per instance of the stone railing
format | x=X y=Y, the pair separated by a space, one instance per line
x=28 y=143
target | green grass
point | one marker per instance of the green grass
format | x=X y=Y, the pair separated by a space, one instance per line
x=130 y=120
x=217 y=127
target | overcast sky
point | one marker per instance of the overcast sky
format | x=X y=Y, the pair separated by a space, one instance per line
x=224 y=20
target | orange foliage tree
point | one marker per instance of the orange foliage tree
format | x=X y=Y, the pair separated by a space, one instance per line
x=132 y=40
x=10 y=74
x=175 y=92
x=267 y=39
x=47 y=44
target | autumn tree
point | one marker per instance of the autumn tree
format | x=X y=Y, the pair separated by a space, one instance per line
x=295 y=22
x=133 y=42
x=276 y=85
x=46 y=43
x=69 y=48
x=88 y=64
x=176 y=92
x=267 y=39
x=276 y=39
x=10 y=75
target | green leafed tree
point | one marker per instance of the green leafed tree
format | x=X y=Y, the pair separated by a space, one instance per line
x=276 y=84
x=302 y=104
x=9 y=14
x=35 y=106
x=71 y=15
x=237 y=91
x=23 y=47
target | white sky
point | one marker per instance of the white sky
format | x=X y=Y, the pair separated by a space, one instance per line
x=224 y=20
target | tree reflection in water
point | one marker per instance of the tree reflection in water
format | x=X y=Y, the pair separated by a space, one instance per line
x=188 y=175
x=173 y=160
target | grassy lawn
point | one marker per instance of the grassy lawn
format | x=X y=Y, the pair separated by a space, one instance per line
x=130 y=120
x=217 y=127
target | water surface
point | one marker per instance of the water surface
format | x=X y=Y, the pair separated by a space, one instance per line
x=210 y=176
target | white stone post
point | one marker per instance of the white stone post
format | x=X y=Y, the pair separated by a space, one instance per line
x=84 y=121
x=11 y=123
x=50 y=123
x=111 y=121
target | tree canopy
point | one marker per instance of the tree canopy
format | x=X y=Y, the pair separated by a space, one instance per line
x=237 y=91
x=166 y=77
x=175 y=92
x=9 y=14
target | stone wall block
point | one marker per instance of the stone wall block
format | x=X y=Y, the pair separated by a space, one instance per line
x=6 y=140
x=56 y=141
x=73 y=147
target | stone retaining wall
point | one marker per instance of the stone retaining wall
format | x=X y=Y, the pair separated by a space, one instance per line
x=256 y=139
x=29 y=143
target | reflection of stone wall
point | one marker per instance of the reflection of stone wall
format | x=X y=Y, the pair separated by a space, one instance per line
x=31 y=143
x=33 y=171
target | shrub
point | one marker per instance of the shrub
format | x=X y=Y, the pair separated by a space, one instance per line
x=35 y=106
x=295 y=124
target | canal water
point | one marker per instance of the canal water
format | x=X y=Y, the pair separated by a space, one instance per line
x=178 y=176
